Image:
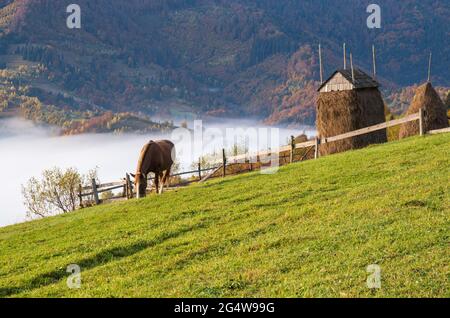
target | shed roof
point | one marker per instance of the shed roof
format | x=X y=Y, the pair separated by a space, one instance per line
x=362 y=80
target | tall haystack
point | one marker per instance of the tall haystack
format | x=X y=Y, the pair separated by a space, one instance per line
x=435 y=112
x=349 y=102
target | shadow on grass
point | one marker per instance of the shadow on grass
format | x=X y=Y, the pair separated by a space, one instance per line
x=99 y=259
x=7 y=291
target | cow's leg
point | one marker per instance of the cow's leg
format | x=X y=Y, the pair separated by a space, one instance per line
x=162 y=182
x=167 y=178
x=156 y=182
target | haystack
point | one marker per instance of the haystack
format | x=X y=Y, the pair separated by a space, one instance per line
x=300 y=139
x=435 y=112
x=349 y=104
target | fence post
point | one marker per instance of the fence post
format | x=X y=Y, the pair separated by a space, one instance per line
x=125 y=187
x=95 y=192
x=224 y=160
x=317 y=143
x=421 y=122
x=292 y=148
x=80 y=195
x=200 y=168
x=129 y=186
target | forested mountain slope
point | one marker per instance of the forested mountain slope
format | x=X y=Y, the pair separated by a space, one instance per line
x=222 y=57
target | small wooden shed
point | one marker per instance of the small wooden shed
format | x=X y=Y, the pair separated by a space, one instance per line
x=344 y=80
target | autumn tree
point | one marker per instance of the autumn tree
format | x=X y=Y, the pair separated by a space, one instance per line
x=56 y=192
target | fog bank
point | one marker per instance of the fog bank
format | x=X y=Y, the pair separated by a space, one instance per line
x=26 y=150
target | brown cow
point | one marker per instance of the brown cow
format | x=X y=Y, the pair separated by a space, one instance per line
x=156 y=157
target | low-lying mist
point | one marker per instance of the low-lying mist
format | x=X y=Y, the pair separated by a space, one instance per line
x=26 y=150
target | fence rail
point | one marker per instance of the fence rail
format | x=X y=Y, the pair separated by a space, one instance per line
x=189 y=172
x=218 y=165
x=439 y=131
x=371 y=129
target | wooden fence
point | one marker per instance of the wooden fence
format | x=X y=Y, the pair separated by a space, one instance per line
x=221 y=165
x=320 y=141
x=93 y=192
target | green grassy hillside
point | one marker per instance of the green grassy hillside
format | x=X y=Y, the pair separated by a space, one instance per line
x=311 y=230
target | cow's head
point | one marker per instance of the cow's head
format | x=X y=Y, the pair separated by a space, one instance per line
x=140 y=183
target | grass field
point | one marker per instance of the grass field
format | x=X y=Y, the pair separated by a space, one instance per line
x=311 y=230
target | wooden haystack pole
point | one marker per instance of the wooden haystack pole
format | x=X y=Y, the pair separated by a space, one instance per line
x=349 y=100
x=435 y=112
